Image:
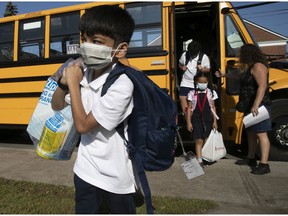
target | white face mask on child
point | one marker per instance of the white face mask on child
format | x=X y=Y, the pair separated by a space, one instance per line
x=202 y=86
x=96 y=56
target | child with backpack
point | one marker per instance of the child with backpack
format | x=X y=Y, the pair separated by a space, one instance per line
x=201 y=114
x=125 y=119
x=191 y=62
x=103 y=167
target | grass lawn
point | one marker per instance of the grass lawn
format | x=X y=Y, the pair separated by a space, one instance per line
x=21 y=197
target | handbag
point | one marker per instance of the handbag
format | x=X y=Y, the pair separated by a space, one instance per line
x=214 y=148
x=53 y=132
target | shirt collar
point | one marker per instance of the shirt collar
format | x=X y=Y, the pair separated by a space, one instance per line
x=97 y=83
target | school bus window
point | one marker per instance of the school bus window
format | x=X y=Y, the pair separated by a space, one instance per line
x=233 y=37
x=64 y=37
x=31 y=38
x=146 y=38
x=6 y=42
x=148 y=25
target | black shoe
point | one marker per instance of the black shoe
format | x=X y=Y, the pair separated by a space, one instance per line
x=247 y=161
x=202 y=165
x=261 y=169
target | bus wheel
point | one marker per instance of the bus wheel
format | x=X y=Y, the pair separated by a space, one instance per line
x=279 y=134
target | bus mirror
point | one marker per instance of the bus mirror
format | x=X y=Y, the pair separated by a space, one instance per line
x=225 y=10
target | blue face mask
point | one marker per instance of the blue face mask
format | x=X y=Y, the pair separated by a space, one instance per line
x=202 y=86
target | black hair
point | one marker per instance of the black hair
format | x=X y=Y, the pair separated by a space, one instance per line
x=250 y=54
x=108 y=20
x=206 y=75
x=194 y=48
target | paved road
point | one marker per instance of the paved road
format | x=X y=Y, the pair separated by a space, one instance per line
x=233 y=188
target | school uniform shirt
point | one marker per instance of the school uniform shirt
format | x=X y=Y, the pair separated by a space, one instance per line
x=188 y=76
x=102 y=158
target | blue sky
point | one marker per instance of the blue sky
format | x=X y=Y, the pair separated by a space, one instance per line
x=271 y=16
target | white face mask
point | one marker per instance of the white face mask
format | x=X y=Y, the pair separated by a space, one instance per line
x=202 y=86
x=96 y=56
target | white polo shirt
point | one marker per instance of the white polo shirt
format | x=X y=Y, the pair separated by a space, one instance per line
x=188 y=76
x=102 y=158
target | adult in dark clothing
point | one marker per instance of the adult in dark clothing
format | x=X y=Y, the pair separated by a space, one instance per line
x=254 y=93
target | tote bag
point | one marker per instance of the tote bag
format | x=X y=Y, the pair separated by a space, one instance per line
x=53 y=132
x=214 y=148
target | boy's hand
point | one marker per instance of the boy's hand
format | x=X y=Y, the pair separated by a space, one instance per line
x=183 y=67
x=72 y=75
x=199 y=67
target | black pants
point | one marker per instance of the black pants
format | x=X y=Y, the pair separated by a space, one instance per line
x=88 y=199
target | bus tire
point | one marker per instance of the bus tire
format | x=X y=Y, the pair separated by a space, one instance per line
x=279 y=135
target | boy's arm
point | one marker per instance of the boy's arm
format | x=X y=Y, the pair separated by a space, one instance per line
x=58 y=99
x=181 y=64
x=83 y=122
x=204 y=67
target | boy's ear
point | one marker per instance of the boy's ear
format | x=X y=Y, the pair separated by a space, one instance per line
x=122 y=50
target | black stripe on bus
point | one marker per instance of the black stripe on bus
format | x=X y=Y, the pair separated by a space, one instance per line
x=24 y=79
x=12 y=127
x=155 y=72
x=165 y=90
x=21 y=95
x=140 y=54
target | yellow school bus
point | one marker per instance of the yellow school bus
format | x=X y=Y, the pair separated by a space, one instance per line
x=34 y=45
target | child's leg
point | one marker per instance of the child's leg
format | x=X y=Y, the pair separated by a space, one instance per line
x=87 y=197
x=198 y=148
x=121 y=203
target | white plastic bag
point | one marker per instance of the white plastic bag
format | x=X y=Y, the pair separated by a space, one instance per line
x=52 y=132
x=214 y=148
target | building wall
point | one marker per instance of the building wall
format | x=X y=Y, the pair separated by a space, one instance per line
x=274 y=51
x=272 y=45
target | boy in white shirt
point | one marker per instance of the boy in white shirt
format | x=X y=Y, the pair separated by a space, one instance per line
x=190 y=69
x=102 y=168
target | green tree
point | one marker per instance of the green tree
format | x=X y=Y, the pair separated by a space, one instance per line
x=10 y=9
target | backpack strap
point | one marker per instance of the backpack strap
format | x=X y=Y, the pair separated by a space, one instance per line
x=199 y=61
x=194 y=98
x=187 y=57
x=134 y=155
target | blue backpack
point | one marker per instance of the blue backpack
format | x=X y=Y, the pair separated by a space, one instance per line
x=152 y=126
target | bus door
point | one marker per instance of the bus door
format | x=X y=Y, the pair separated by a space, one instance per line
x=199 y=22
x=233 y=34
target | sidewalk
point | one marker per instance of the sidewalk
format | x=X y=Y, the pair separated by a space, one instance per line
x=232 y=187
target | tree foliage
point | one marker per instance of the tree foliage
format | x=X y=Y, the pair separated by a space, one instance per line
x=10 y=9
